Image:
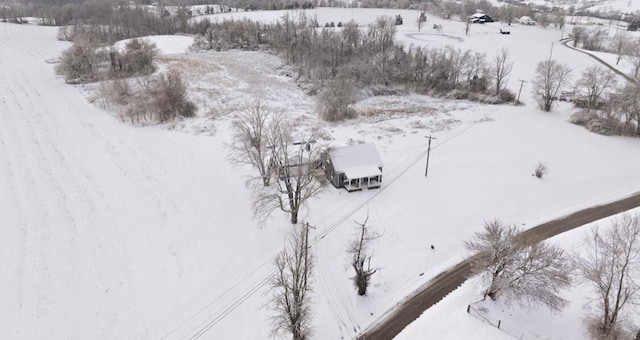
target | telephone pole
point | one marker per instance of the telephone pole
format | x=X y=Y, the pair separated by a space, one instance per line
x=521 y=83
x=426 y=170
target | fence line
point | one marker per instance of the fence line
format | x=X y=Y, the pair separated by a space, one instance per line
x=501 y=325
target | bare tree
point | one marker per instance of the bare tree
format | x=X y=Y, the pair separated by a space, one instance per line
x=543 y=19
x=540 y=170
x=594 y=39
x=250 y=143
x=501 y=68
x=593 y=83
x=549 y=78
x=628 y=106
x=79 y=63
x=520 y=270
x=295 y=163
x=559 y=19
x=507 y=14
x=612 y=264
x=422 y=18
x=169 y=97
x=633 y=56
x=360 y=254
x=291 y=287
x=335 y=100
x=495 y=249
x=620 y=43
x=578 y=33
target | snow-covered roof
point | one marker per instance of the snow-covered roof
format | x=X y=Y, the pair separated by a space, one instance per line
x=526 y=18
x=477 y=15
x=356 y=161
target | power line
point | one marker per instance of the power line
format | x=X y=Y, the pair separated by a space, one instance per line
x=205 y=326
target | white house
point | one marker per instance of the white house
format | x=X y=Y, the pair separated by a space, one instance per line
x=354 y=167
x=525 y=20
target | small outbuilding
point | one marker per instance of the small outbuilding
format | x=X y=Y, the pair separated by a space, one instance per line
x=354 y=167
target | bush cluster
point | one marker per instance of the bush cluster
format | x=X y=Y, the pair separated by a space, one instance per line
x=153 y=98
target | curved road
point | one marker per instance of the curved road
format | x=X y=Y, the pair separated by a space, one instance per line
x=630 y=79
x=446 y=282
x=443 y=284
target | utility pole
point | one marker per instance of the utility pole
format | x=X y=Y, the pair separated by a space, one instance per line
x=426 y=170
x=519 y=91
x=551 y=53
x=306 y=236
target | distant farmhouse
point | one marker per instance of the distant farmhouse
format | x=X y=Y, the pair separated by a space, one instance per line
x=480 y=18
x=354 y=167
x=525 y=20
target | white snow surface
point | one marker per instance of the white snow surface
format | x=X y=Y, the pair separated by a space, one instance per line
x=113 y=231
x=354 y=156
x=166 y=44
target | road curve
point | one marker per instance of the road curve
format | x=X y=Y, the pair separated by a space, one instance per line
x=443 y=284
x=615 y=70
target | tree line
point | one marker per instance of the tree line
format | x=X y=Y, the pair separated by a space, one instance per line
x=605 y=108
x=336 y=60
x=109 y=21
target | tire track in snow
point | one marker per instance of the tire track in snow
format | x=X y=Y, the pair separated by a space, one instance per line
x=65 y=206
x=14 y=205
x=101 y=234
x=55 y=208
x=37 y=231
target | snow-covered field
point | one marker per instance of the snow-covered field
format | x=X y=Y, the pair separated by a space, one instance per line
x=114 y=231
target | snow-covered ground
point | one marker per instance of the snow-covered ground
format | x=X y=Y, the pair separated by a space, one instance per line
x=449 y=318
x=116 y=231
x=166 y=44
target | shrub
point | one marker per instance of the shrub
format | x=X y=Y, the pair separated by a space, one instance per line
x=540 y=170
x=506 y=95
x=79 y=63
x=334 y=101
x=160 y=98
x=169 y=97
x=137 y=58
x=117 y=91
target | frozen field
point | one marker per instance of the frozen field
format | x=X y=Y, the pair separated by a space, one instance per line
x=113 y=231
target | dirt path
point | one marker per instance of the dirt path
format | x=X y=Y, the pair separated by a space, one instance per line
x=440 y=286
